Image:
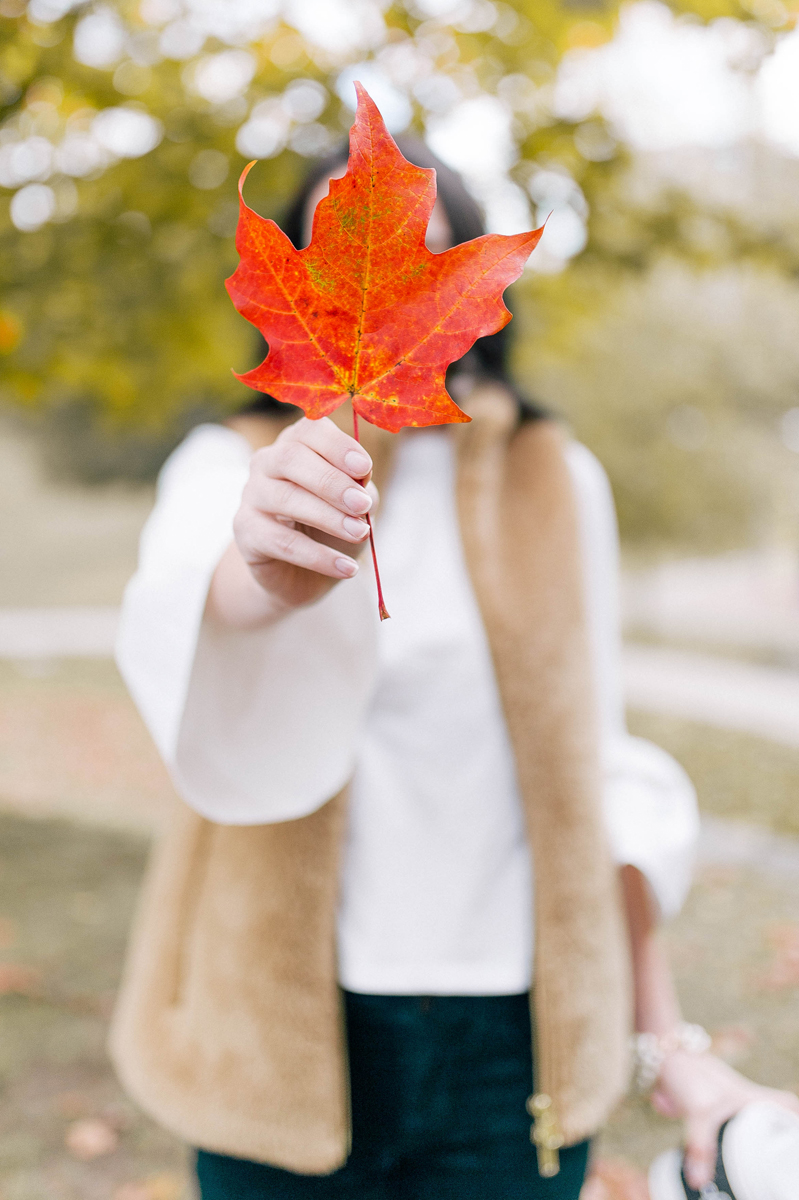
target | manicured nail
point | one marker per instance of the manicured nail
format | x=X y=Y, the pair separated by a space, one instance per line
x=346 y=567
x=357 y=500
x=357 y=464
x=355 y=528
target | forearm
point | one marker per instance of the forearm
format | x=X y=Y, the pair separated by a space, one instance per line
x=237 y=600
x=657 y=1008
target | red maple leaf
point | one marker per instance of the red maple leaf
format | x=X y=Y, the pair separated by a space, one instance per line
x=366 y=311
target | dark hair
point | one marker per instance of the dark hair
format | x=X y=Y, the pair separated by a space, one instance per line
x=488 y=357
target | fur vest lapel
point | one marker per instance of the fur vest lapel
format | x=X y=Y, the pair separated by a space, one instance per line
x=520 y=536
x=228 y=1026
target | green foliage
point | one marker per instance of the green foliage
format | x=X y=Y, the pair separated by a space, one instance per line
x=120 y=305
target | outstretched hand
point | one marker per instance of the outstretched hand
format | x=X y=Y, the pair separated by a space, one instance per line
x=299 y=526
x=706 y=1092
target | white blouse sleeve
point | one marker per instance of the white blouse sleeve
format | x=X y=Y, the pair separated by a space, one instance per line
x=255 y=726
x=650 y=803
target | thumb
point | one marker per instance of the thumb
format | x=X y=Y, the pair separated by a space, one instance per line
x=701 y=1150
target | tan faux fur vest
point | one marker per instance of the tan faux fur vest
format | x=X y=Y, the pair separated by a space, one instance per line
x=228 y=1028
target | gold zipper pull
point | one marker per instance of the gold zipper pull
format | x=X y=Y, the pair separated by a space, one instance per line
x=545 y=1133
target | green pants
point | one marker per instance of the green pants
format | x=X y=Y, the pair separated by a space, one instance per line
x=439 y=1086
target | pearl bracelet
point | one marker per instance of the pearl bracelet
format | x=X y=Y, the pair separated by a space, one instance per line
x=650 y=1050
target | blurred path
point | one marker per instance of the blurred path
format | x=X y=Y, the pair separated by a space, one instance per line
x=716 y=691
x=745 y=600
x=741 y=844
x=31 y=633
x=73 y=745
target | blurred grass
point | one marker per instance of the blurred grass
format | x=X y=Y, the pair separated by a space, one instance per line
x=737 y=776
x=66 y=897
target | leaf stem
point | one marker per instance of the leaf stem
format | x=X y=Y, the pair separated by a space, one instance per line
x=384 y=613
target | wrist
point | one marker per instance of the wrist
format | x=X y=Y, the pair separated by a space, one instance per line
x=238 y=599
x=651 y=1050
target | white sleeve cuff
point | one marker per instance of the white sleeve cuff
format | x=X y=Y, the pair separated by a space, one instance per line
x=272 y=717
x=199 y=490
x=652 y=817
x=254 y=726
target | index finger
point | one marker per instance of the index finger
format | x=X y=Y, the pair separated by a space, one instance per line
x=337 y=447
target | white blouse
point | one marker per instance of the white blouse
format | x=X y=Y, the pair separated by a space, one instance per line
x=266 y=725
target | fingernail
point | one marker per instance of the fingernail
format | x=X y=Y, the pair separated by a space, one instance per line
x=346 y=567
x=357 y=500
x=357 y=464
x=355 y=528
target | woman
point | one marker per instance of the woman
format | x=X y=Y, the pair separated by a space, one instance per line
x=395 y=845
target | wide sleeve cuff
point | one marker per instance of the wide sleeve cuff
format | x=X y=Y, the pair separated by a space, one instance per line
x=651 y=817
x=272 y=717
x=254 y=726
